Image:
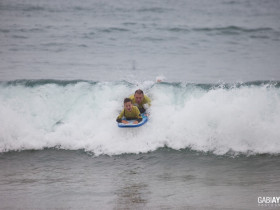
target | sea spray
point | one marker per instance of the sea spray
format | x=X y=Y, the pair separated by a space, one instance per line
x=243 y=118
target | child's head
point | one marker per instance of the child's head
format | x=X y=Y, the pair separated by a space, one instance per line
x=127 y=104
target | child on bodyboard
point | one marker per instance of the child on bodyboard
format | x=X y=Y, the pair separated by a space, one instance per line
x=130 y=112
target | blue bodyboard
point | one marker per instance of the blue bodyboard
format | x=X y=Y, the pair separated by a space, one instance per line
x=130 y=122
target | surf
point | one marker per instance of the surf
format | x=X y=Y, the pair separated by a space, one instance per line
x=79 y=114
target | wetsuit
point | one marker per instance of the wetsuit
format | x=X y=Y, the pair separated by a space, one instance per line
x=133 y=115
x=146 y=100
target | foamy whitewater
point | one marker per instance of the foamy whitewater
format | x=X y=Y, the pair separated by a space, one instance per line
x=226 y=118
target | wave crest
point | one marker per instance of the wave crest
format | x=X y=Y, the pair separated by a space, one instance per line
x=218 y=118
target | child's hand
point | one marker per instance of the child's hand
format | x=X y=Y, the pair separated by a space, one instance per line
x=124 y=122
x=135 y=122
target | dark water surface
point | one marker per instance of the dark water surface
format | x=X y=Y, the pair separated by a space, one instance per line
x=163 y=179
x=186 y=40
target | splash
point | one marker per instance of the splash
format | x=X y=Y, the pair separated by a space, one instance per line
x=39 y=114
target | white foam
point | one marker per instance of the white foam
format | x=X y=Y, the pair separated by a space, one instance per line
x=82 y=116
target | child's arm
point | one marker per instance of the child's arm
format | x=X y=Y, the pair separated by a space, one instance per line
x=119 y=118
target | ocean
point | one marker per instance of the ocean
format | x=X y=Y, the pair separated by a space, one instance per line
x=212 y=140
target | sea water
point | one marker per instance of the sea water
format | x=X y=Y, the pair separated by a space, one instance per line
x=212 y=139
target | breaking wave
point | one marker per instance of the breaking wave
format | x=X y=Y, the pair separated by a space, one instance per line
x=218 y=118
